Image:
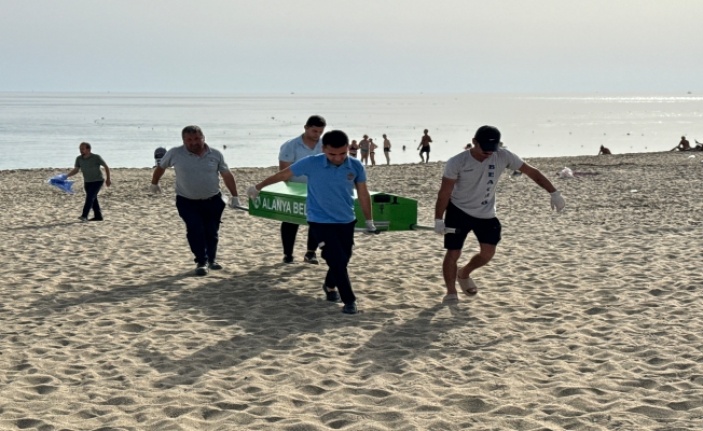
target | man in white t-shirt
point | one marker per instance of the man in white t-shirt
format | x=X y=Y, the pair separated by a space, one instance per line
x=466 y=202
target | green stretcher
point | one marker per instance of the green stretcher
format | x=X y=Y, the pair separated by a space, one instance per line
x=286 y=202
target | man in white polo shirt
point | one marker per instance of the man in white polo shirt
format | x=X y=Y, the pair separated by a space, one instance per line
x=198 y=197
x=307 y=144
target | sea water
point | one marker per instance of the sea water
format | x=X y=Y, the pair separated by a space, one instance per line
x=43 y=130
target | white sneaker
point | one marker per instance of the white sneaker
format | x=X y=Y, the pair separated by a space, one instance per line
x=467 y=285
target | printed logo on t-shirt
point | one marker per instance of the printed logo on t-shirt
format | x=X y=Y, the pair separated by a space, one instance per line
x=490 y=182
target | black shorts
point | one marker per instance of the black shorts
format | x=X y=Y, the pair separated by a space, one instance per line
x=487 y=231
x=425 y=150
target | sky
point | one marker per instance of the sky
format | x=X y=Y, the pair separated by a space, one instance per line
x=352 y=46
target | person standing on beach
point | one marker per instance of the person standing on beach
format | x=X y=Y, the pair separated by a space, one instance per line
x=89 y=165
x=387 y=149
x=332 y=179
x=466 y=202
x=424 y=146
x=353 y=149
x=364 y=150
x=372 y=151
x=307 y=144
x=198 y=196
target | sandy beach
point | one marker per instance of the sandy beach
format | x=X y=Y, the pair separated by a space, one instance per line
x=590 y=319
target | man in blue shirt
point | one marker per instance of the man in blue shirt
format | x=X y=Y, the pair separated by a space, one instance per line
x=332 y=179
x=307 y=144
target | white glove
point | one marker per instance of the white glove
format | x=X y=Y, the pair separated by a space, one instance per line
x=154 y=188
x=234 y=202
x=370 y=227
x=558 y=202
x=439 y=227
x=253 y=192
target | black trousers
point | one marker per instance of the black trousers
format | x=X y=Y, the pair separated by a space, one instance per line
x=91 y=199
x=288 y=234
x=338 y=242
x=202 y=218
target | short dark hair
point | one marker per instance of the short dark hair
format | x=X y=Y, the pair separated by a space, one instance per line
x=335 y=139
x=192 y=130
x=87 y=145
x=316 y=121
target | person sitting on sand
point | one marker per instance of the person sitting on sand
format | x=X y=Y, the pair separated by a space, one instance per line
x=604 y=150
x=684 y=145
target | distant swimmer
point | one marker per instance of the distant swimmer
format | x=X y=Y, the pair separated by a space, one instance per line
x=604 y=150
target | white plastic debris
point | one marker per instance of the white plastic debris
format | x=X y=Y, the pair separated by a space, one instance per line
x=565 y=173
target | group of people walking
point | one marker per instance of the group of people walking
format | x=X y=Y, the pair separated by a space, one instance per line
x=465 y=201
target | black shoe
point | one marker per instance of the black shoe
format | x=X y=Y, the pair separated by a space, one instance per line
x=332 y=295
x=214 y=266
x=311 y=258
x=287 y=259
x=95 y=219
x=201 y=269
x=349 y=308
